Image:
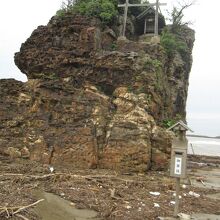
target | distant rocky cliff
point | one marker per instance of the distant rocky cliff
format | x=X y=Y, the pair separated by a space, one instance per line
x=93 y=100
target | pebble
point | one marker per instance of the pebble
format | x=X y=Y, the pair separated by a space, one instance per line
x=172 y=202
x=191 y=193
x=184 y=186
x=156 y=205
x=155 y=193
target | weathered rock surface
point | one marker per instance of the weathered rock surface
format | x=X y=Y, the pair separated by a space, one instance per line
x=92 y=100
x=53 y=122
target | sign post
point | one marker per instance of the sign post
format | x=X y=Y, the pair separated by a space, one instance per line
x=178 y=157
x=177 y=199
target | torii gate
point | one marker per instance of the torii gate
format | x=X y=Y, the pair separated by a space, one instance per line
x=127 y=4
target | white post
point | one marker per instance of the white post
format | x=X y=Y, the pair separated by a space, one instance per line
x=156 y=19
x=125 y=18
x=177 y=200
x=145 y=25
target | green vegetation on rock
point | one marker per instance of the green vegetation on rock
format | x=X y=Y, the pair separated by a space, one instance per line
x=153 y=62
x=170 y=122
x=105 y=10
x=172 y=43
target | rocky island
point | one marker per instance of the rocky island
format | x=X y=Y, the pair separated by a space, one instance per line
x=94 y=99
x=86 y=136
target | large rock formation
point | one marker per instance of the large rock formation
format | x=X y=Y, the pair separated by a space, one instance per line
x=92 y=100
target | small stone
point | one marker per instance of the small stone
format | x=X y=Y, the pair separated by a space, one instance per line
x=191 y=193
x=156 y=205
x=38 y=141
x=25 y=153
x=172 y=202
x=155 y=193
x=184 y=186
x=51 y=169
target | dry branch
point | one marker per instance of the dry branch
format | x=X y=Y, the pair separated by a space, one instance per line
x=88 y=177
x=28 y=206
x=22 y=217
x=10 y=211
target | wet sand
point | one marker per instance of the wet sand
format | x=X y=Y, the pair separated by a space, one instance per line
x=56 y=208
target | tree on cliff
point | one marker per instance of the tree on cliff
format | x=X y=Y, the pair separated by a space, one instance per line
x=177 y=15
x=171 y=37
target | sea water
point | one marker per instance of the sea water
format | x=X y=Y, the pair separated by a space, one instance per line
x=204 y=146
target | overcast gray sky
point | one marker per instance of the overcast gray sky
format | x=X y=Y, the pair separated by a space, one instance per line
x=19 y=18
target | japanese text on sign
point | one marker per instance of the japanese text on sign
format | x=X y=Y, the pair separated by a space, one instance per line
x=178 y=162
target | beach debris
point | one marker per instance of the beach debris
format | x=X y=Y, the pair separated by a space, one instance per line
x=62 y=194
x=51 y=169
x=172 y=202
x=128 y=207
x=184 y=186
x=191 y=193
x=14 y=211
x=203 y=183
x=156 y=205
x=174 y=194
x=142 y=204
x=201 y=179
x=199 y=164
x=112 y=192
x=139 y=209
x=155 y=193
x=184 y=216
